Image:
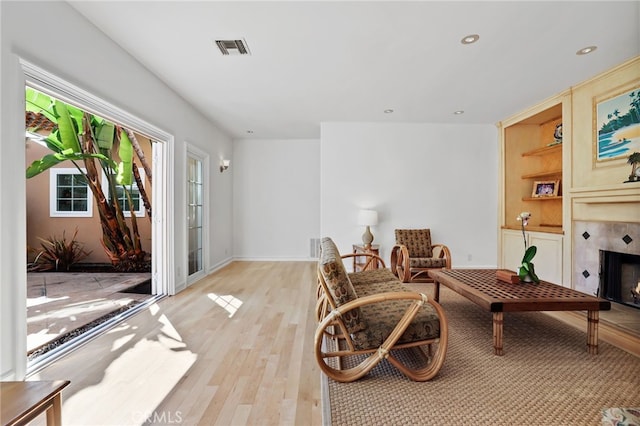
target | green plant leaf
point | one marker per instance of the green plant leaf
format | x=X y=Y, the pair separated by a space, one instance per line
x=532 y=273
x=125 y=152
x=53 y=144
x=68 y=131
x=529 y=254
x=39 y=103
x=50 y=160
x=104 y=134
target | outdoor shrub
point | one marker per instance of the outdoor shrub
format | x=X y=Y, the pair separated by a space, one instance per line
x=58 y=254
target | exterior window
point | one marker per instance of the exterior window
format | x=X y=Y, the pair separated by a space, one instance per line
x=138 y=205
x=69 y=194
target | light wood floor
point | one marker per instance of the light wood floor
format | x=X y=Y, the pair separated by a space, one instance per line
x=232 y=349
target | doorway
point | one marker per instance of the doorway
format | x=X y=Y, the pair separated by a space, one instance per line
x=160 y=242
x=197 y=169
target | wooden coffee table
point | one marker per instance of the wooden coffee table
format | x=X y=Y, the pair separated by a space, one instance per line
x=483 y=288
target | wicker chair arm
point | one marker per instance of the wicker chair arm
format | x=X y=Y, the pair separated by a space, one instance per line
x=444 y=253
x=400 y=262
x=371 y=259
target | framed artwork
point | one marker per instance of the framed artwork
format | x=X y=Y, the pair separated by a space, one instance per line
x=617 y=125
x=546 y=188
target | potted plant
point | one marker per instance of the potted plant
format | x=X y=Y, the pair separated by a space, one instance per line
x=634 y=160
x=526 y=272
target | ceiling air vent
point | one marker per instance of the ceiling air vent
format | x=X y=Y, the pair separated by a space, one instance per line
x=233 y=47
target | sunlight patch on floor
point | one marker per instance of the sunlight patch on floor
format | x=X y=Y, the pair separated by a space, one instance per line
x=121 y=341
x=36 y=340
x=227 y=302
x=37 y=301
x=154 y=367
x=76 y=309
x=168 y=329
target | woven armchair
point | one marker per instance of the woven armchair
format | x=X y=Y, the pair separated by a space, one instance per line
x=414 y=255
x=370 y=316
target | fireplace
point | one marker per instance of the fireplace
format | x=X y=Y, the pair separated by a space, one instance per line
x=620 y=277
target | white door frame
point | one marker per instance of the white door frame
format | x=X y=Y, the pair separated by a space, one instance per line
x=162 y=232
x=195 y=152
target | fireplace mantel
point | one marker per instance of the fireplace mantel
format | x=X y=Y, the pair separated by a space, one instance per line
x=622 y=193
x=610 y=203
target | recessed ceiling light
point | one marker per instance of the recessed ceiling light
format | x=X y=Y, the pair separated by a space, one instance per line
x=388 y=111
x=471 y=38
x=459 y=112
x=586 y=50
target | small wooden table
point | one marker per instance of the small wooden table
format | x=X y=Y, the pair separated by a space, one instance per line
x=21 y=402
x=483 y=288
x=359 y=265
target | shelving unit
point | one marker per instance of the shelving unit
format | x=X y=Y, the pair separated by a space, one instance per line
x=543 y=175
x=558 y=198
x=531 y=155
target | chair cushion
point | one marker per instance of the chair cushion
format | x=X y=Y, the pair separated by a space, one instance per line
x=382 y=318
x=369 y=277
x=340 y=288
x=427 y=262
x=417 y=241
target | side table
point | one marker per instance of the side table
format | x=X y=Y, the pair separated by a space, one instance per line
x=360 y=261
x=23 y=401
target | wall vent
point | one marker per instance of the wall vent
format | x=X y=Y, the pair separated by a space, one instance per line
x=233 y=47
x=314 y=251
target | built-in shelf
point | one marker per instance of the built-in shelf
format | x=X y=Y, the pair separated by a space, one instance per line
x=559 y=197
x=542 y=175
x=549 y=229
x=543 y=151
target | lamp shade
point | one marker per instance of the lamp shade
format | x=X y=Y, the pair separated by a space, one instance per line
x=367 y=217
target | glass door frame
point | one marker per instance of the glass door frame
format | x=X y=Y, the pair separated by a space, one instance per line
x=195 y=153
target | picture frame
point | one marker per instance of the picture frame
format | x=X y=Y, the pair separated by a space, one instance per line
x=616 y=125
x=545 y=188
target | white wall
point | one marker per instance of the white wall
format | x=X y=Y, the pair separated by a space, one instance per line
x=54 y=37
x=442 y=177
x=276 y=200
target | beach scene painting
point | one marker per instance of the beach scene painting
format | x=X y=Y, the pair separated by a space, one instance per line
x=618 y=121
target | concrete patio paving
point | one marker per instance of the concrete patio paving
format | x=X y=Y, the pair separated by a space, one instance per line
x=60 y=302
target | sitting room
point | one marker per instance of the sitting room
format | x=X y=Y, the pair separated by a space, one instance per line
x=497 y=126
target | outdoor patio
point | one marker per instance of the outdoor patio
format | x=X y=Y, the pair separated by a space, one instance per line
x=61 y=302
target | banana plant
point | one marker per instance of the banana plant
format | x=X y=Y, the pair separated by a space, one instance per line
x=88 y=141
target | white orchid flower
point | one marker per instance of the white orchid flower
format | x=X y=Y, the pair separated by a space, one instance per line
x=524 y=217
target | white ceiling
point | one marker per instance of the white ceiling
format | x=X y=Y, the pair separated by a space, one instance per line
x=314 y=62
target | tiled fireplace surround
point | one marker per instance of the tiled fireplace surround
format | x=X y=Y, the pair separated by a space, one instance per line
x=591 y=237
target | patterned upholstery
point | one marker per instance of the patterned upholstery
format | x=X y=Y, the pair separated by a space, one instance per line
x=342 y=291
x=417 y=241
x=371 y=276
x=427 y=262
x=383 y=317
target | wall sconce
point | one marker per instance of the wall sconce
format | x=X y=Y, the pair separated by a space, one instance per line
x=224 y=165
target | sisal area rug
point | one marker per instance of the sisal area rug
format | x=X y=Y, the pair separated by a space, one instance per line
x=545 y=377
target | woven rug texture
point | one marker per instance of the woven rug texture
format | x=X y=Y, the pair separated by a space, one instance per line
x=545 y=377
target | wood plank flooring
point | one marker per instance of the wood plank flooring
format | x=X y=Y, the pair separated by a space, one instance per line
x=235 y=348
